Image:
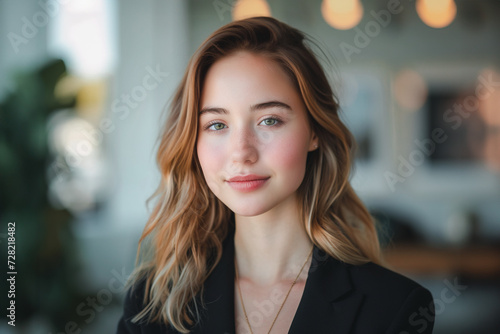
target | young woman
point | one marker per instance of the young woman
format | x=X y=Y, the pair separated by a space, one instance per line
x=256 y=228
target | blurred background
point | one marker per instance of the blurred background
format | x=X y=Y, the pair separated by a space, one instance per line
x=82 y=88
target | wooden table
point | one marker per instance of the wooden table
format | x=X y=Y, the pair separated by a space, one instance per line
x=475 y=261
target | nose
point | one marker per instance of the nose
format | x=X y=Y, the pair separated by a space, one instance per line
x=244 y=146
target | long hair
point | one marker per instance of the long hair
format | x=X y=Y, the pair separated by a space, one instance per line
x=188 y=223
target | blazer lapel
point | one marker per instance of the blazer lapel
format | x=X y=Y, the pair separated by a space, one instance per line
x=218 y=317
x=329 y=303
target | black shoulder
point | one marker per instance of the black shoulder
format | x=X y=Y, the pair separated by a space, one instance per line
x=416 y=314
x=395 y=302
x=132 y=305
x=381 y=277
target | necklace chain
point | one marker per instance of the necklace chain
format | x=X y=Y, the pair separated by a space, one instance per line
x=276 y=317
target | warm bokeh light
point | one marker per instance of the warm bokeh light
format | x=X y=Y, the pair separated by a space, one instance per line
x=250 y=8
x=342 y=14
x=436 y=13
x=409 y=90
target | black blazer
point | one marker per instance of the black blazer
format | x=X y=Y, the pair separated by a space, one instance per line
x=338 y=298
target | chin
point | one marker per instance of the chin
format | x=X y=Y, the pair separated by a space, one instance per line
x=248 y=209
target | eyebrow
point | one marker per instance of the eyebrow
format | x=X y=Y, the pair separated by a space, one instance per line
x=255 y=107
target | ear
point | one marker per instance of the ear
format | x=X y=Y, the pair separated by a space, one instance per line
x=313 y=142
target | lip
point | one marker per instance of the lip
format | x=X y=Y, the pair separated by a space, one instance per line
x=249 y=177
x=247 y=183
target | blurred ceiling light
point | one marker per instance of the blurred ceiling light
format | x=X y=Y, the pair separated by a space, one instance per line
x=409 y=90
x=436 y=13
x=342 y=14
x=250 y=8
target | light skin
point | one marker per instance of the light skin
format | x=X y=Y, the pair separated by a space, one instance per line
x=253 y=121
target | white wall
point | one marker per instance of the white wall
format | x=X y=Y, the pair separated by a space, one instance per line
x=153 y=37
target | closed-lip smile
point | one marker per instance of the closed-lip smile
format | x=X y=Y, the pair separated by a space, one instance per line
x=247 y=183
x=246 y=178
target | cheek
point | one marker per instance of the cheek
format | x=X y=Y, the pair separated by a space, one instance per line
x=204 y=155
x=209 y=155
x=289 y=154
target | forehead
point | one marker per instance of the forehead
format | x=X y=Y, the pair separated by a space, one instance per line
x=244 y=75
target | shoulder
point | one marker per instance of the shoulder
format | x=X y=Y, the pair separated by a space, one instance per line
x=392 y=299
x=372 y=277
x=133 y=305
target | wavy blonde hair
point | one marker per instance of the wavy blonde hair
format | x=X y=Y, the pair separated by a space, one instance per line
x=185 y=231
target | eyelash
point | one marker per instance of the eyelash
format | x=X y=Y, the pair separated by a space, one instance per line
x=278 y=120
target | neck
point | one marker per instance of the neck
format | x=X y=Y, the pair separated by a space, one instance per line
x=272 y=247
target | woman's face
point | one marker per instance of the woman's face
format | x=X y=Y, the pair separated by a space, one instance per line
x=252 y=122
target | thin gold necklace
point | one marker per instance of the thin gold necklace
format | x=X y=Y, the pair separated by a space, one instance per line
x=276 y=317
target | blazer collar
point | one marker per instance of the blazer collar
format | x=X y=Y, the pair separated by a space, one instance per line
x=329 y=300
